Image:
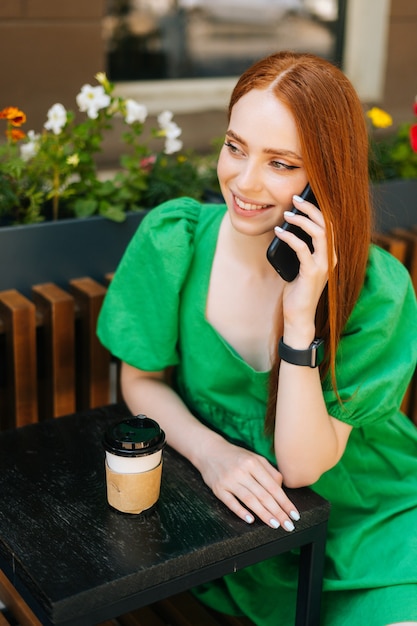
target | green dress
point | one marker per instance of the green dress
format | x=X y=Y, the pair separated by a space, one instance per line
x=154 y=316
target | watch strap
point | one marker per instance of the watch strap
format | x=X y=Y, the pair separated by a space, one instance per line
x=312 y=357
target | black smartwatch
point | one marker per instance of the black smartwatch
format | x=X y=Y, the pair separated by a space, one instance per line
x=312 y=357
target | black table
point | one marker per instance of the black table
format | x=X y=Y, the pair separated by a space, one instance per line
x=77 y=562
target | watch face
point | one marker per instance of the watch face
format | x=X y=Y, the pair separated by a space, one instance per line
x=318 y=348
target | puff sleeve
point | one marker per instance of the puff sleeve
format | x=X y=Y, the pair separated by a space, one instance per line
x=378 y=350
x=138 y=322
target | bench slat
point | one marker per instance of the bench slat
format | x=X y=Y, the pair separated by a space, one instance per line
x=93 y=360
x=56 y=349
x=19 y=401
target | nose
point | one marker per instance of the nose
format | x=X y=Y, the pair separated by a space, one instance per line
x=250 y=177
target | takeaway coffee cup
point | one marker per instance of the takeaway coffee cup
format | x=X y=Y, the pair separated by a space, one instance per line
x=133 y=449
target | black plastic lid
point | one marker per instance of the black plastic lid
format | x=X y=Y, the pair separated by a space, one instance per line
x=135 y=436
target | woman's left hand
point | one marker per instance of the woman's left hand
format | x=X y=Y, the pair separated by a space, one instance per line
x=302 y=295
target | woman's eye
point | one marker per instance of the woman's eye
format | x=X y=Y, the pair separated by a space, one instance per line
x=231 y=147
x=278 y=165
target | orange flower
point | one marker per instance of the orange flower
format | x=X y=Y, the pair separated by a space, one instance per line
x=15 y=134
x=15 y=116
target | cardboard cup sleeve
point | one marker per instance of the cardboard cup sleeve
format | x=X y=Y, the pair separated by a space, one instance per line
x=133 y=493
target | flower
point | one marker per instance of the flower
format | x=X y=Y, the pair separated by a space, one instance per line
x=15 y=118
x=16 y=134
x=392 y=155
x=73 y=159
x=57 y=118
x=54 y=173
x=14 y=115
x=379 y=118
x=135 y=112
x=29 y=149
x=92 y=99
x=171 y=131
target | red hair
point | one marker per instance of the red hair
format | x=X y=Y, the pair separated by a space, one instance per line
x=334 y=145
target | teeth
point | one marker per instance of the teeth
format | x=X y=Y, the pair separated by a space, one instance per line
x=249 y=207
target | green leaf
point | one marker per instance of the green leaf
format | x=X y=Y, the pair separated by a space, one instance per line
x=85 y=207
x=112 y=212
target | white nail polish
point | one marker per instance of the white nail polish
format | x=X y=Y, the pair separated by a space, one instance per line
x=289 y=526
x=249 y=519
x=295 y=516
x=278 y=229
x=298 y=198
x=274 y=523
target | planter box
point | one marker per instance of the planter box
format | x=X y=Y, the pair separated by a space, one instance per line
x=59 y=251
x=395 y=204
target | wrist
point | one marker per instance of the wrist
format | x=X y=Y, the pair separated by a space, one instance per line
x=206 y=445
x=311 y=357
x=299 y=337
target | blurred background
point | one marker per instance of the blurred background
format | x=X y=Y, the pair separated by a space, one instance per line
x=185 y=55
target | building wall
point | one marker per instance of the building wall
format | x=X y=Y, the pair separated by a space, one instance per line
x=50 y=48
x=401 y=71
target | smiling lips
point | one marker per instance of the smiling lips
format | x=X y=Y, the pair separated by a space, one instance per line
x=246 y=206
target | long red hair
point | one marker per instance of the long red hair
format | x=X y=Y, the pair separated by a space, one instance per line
x=334 y=145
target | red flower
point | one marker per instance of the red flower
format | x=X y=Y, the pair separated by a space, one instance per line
x=413 y=137
x=147 y=163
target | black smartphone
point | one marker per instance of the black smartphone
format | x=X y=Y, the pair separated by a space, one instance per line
x=280 y=255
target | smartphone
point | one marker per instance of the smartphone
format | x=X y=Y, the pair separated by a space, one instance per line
x=280 y=255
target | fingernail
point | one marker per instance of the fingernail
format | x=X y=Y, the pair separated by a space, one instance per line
x=289 y=526
x=249 y=519
x=298 y=198
x=295 y=516
x=278 y=229
x=274 y=523
x=288 y=213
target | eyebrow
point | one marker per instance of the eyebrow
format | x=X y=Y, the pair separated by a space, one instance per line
x=272 y=151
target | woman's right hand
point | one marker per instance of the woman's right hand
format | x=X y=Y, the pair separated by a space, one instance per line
x=247 y=484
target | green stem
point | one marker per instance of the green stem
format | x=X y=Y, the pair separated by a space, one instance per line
x=55 y=197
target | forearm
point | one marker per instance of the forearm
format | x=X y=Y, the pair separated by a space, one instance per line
x=152 y=396
x=306 y=442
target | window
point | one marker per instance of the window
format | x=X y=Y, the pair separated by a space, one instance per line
x=182 y=39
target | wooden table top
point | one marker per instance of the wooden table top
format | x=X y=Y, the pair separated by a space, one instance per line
x=77 y=561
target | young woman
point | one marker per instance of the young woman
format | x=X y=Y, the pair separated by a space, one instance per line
x=196 y=297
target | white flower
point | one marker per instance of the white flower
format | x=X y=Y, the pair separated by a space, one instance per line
x=164 y=118
x=29 y=149
x=92 y=99
x=73 y=159
x=172 y=145
x=57 y=118
x=101 y=78
x=135 y=112
x=171 y=131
